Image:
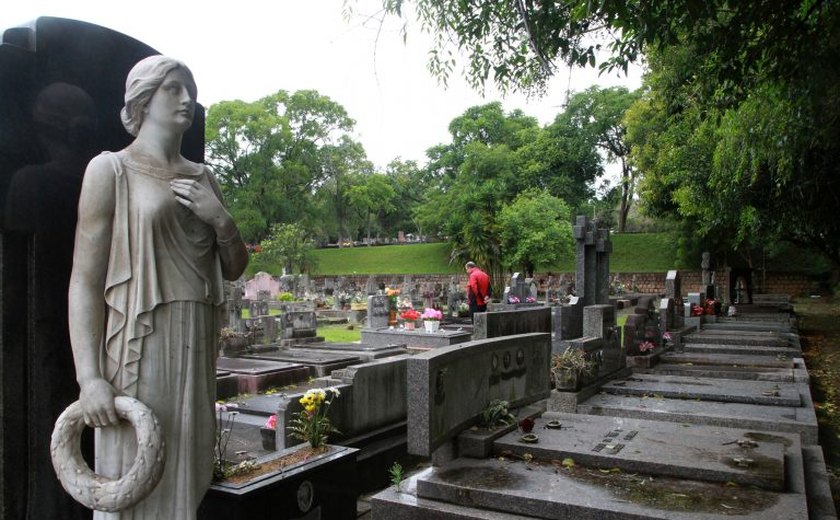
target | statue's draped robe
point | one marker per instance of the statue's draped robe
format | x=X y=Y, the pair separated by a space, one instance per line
x=163 y=295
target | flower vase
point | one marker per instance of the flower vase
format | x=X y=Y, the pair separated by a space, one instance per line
x=431 y=325
x=409 y=325
x=566 y=380
x=392 y=318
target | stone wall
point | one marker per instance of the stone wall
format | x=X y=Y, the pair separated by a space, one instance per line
x=794 y=284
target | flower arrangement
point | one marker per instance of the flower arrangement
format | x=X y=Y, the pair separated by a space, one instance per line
x=530 y=299
x=573 y=360
x=646 y=346
x=431 y=314
x=312 y=424
x=392 y=295
x=666 y=337
x=410 y=315
x=513 y=299
x=271 y=422
x=404 y=303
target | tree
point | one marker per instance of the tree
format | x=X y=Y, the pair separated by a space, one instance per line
x=271 y=155
x=598 y=113
x=289 y=246
x=535 y=231
x=745 y=57
x=372 y=196
x=517 y=44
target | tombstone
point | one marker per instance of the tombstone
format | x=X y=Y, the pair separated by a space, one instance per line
x=301 y=285
x=454 y=296
x=298 y=324
x=510 y=322
x=447 y=392
x=370 y=286
x=329 y=286
x=599 y=322
x=286 y=283
x=592 y=261
x=673 y=289
x=407 y=285
x=67 y=77
x=234 y=307
x=550 y=290
x=667 y=314
x=269 y=328
x=261 y=282
x=567 y=320
x=707 y=276
x=377 y=311
x=563 y=286
x=428 y=295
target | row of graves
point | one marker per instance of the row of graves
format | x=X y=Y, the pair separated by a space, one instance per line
x=675 y=415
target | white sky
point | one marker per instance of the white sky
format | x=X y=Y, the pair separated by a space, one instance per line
x=248 y=49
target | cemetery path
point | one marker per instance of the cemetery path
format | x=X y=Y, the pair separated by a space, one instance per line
x=820 y=336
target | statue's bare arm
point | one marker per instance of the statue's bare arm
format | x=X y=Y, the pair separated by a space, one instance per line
x=87 y=289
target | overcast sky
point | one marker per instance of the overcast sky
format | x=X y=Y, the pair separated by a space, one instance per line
x=248 y=49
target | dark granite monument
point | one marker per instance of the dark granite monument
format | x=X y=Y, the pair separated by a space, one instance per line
x=61 y=90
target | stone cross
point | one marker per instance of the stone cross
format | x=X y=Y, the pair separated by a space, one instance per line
x=592 y=261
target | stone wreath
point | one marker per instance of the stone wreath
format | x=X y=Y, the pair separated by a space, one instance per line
x=102 y=493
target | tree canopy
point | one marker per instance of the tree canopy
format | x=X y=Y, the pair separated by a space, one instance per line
x=736 y=137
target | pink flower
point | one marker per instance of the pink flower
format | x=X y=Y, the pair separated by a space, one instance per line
x=431 y=314
x=646 y=346
x=271 y=423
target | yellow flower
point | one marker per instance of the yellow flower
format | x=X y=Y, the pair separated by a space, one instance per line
x=311 y=408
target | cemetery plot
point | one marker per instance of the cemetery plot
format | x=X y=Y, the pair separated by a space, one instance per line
x=552 y=491
x=755 y=350
x=254 y=375
x=735 y=338
x=731 y=360
x=801 y=420
x=319 y=363
x=660 y=448
x=706 y=389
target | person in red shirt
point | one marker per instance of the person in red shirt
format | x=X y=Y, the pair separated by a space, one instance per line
x=478 y=288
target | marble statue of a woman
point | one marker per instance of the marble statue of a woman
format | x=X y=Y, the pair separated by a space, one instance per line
x=153 y=245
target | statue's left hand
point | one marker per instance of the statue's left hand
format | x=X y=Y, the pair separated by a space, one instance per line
x=200 y=200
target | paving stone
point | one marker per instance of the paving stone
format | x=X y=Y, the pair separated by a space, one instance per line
x=658 y=448
x=707 y=389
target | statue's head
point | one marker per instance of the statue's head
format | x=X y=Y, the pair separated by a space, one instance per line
x=140 y=85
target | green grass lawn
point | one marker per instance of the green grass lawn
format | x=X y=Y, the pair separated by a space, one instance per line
x=632 y=252
x=342 y=333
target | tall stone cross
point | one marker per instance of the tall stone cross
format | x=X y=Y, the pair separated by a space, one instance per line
x=592 y=261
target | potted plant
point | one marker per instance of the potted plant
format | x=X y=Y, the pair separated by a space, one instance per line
x=410 y=316
x=431 y=319
x=566 y=368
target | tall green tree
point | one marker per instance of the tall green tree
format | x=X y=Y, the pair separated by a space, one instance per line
x=270 y=155
x=289 y=246
x=760 y=89
x=597 y=114
x=373 y=197
x=535 y=230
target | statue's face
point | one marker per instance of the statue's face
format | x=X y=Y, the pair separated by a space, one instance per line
x=173 y=103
